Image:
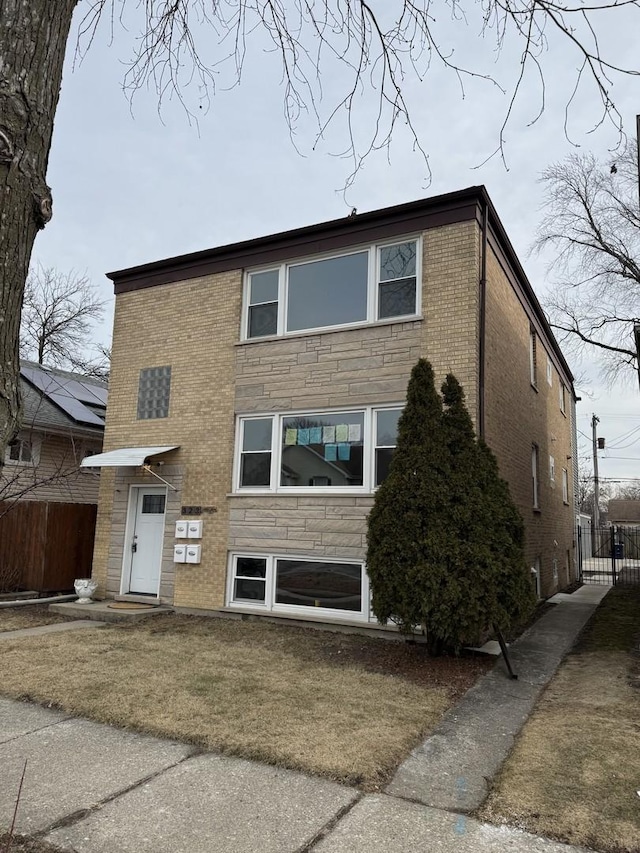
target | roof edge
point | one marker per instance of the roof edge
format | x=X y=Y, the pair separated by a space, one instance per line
x=352 y=222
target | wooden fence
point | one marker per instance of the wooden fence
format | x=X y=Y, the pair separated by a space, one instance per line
x=46 y=545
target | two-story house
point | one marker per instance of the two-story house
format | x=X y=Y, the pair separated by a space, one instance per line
x=63 y=417
x=255 y=394
x=47 y=502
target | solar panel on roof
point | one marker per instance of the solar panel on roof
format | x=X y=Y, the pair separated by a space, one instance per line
x=75 y=409
x=82 y=391
x=68 y=394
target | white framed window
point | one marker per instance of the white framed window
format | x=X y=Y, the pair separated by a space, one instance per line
x=23 y=450
x=533 y=357
x=535 y=476
x=328 y=451
x=385 y=440
x=256 y=440
x=552 y=469
x=365 y=285
x=549 y=373
x=565 y=485
x=562 y=395
x=286 y=583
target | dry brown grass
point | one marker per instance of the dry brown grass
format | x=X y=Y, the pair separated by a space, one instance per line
x=575 y=769
x=31 y=616
x=293 y=697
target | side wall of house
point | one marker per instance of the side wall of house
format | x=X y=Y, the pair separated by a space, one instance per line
x=56 y=476
x=519 y=416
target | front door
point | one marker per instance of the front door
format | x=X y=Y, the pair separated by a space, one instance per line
x=148 y=505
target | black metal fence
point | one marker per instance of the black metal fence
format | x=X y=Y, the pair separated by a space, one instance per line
x=609 y=555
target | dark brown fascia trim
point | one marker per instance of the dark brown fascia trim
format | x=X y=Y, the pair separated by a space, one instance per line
x=368 y=227
x=460 y=206
x=522 y=282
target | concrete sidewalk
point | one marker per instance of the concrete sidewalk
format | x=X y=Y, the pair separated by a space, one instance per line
x=90 y=788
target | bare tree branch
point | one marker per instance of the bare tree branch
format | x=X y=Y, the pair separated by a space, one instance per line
x=58 y=314
x=592 y=230
x=368 y=47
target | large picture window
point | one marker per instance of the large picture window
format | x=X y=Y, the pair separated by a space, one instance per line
x=290 y=584
x=333 y=451
x=322 y=450
x=327 y=293
x=374 y=283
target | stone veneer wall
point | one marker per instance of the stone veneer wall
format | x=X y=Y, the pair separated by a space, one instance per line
x=328 y=526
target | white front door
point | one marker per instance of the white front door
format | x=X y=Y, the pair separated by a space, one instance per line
x=147 y=512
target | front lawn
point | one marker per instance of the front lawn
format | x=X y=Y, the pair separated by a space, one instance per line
x=345 y=706
x=574 y=773
x=28 y=616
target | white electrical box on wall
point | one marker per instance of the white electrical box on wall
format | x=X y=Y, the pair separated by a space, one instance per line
x=193 y=553
x=194 y=529
x=181 y=528
x=179 y=553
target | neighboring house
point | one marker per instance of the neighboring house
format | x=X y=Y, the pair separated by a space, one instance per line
x=255 y=394
x=47 y=502
x=624 y=511
x=62 y=423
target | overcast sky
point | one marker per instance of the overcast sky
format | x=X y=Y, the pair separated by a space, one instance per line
x=131 y=186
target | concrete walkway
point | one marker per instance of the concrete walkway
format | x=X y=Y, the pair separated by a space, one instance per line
x=90 y=788
x=453 y=768
x=73 y=625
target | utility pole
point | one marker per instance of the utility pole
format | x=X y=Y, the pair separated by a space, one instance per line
x=596 y=482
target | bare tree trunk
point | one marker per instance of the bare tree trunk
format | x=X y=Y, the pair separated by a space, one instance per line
x=33 y=39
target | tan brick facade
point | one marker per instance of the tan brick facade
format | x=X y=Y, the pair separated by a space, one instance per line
x=519 y=415
x=194 y=326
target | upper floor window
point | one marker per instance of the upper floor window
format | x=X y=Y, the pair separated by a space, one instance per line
x=562 y=394
x=552 y=469
x=565 y=485
x=535 y=476
x=374 y=283
x=533 y=358
x=327 y=450
x=154 y=389
x=549 y=372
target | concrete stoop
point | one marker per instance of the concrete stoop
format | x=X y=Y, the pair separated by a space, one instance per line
x=100 y=611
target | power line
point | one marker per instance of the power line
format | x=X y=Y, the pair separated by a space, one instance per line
x=627 y=458
x=625 y=435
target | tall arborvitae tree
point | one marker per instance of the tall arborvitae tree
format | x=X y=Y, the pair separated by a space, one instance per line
x=406 y=532
x=491 y=565
x=445 y=539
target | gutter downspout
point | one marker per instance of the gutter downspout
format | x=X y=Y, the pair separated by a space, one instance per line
x=482 y=320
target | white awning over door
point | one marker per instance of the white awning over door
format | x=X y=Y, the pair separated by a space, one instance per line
x=125 y=457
